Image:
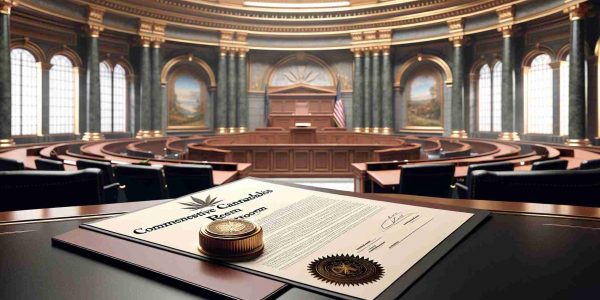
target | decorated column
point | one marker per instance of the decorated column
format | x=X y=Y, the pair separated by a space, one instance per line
x=357 y=92
x=242 y=116
x=222 y=93
x=145 y=92
x=507 y=90
x=5 y=76
x=367 y=92
x=231 y=92
x=376 y=92
x=156 y=93
x=93 y=76
x=386 y=92
x=458 y=127
x=577 y=97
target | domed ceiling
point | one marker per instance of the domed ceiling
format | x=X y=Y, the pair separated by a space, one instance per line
x=302 y=24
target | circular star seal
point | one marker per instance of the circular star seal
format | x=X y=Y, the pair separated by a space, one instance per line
x=346 y=269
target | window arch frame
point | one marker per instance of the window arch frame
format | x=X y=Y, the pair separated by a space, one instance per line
x=129 y=79
x=526 y=66
x=38 y=55
x=76 y=64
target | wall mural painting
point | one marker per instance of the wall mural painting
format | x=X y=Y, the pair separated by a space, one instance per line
x=187 y=100
x=424 y=99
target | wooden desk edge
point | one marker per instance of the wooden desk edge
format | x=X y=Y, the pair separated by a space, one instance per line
x=91 y=211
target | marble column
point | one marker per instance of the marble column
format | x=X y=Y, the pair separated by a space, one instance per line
x=507 y=90
x=93 y=88
x=155 y=90
x=386 y=93
x=145 y=92
x=5 y=81
x=357 y=93
x=376 y=91
x=242 y=92
x=367 y=93
x=222 y=93
x=457 y=122
x=231 y=92
x=577 y=97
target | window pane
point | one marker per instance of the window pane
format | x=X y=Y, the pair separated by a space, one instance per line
x=24 y=80
x=539 y=96
x=497 y=97
x=62 y=95
x=119 y=99
x=564 y=97
x=485 y=101
x=105 y=98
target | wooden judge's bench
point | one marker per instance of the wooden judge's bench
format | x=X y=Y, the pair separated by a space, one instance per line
x=301 y=105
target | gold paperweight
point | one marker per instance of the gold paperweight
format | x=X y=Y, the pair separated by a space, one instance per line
x=231 y=239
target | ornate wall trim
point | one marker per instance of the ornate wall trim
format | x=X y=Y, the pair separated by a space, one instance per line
x=30 y=46
x=192 y=59
x=69 y=53
x=441 y=63
x=300 y=56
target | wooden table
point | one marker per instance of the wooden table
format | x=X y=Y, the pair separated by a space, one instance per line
x=523 y=251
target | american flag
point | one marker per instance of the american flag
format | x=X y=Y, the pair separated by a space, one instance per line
x=338 y=109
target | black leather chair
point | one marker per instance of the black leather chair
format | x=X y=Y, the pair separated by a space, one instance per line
x=108 y=173
x=462 y=189
x=43 y=189
x=590 y=164
x=186 y=179
x=142 y=182
x=42 y=164
x=9 y=164
x=571 y=187
x=553 y=164
x=432 y=180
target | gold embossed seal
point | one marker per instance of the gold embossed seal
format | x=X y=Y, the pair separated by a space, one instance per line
x=231 y=239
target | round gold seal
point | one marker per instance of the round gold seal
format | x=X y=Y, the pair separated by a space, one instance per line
x=231 y=239
x=346 y=270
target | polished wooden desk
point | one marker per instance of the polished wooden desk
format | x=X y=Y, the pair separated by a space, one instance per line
x=523 y=251
x=290 y=120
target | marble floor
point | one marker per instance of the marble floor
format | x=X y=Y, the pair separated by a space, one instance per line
x=342 y=184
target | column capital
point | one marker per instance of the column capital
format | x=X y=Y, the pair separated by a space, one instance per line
x=576 y=11
x=456 y=26
x=151 y=33
x=357 y=52
x=6 y=6
x=235 y=42
x=506 y=30
x=242 y=52
x=555 y=65
x=457 y=40
x=506 y=14
x=95 y=21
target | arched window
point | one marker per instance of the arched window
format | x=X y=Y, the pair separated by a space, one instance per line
x=63 y=95
x=119 y=99
x=105 y=97
x=564 y=96
x=24 y=92
x=539 y=96
x=485 y=98
x=497 y=97
x=113 y=98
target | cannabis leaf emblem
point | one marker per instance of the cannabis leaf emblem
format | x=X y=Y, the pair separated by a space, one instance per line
x=199 y=203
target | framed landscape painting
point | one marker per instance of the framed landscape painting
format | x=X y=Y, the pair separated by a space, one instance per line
x=187 y=98
x=424 y=100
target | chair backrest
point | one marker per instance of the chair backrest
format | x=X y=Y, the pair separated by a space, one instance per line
x=572 y=187
x=142 y=182
x=186 y=179
x=494 y=166
x=43 y=164
x=432 y=180
x=9 y=164
x=43 y=189
x=108 y=173
x=590 y=164
x=553 y=164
